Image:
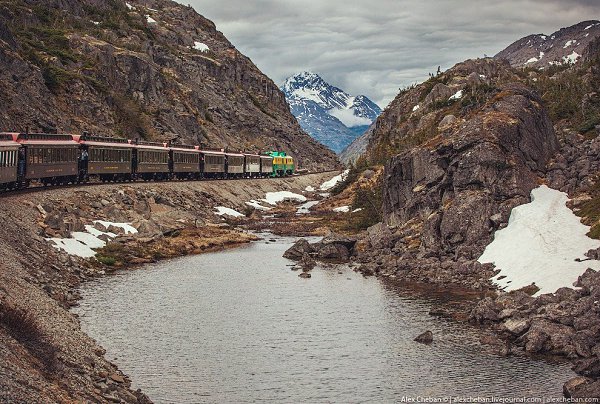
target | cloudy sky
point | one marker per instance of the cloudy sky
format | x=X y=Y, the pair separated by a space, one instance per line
x=375 y=47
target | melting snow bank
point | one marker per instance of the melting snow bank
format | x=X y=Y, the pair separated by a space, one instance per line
x=274 y=198
x=343 y=209
x=83 y=243
x=327 y=185
x=257 y=205
x=222 y=210
x=540 y=244
x=305 y=207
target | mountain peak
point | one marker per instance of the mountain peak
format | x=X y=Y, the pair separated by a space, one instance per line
x=562 y=47
x=329 y=114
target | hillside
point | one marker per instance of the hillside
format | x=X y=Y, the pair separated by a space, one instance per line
x=564 y=46
x=461 y=151
x=151 y=69
x=329 y=114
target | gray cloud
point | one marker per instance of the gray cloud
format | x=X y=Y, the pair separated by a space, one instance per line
x=376 y=47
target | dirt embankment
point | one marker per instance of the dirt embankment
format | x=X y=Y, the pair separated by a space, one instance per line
x=44 y=355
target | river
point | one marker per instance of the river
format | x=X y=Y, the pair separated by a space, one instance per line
x=240 y=326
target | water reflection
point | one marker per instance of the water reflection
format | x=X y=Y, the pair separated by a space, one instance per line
x=239 y=326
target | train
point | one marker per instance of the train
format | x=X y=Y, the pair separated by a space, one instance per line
x=60 y=159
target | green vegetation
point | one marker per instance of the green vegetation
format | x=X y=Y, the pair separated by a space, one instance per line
x=106 y=260
x=570 y=94
x=111 y=254
x=589 y=211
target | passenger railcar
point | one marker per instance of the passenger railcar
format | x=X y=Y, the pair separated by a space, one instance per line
x=266 y=166
x=234 y=165
x=9 y=161
x=212 y=164
x=185 y=161
x=252 y=165
x=108 y=158
x=151 y=161
x=50 y=159
x=65 y=158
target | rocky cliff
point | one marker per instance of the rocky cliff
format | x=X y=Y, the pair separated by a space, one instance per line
x=153 y=69
x=463 y=183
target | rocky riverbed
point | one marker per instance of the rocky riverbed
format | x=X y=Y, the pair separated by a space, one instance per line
x=44 y=355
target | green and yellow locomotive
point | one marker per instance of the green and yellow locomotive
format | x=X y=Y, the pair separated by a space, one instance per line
x=282 y=164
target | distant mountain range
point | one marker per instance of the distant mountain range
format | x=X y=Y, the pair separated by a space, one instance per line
x=564 y=46
x=329 y=114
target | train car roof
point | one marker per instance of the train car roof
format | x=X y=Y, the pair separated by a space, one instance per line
x=150 y=147
x=218 y=153
x=8 y=139
x=234 y=154
x=185 y=149
x=266 y=157
x=46 y=139
x=94 y=140
x=251 y=155
x=107 y=144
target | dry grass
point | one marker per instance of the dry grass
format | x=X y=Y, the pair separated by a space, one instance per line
x=22 y=326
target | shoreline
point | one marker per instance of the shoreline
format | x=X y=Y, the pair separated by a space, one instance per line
x=38 y=282
x=106 y=382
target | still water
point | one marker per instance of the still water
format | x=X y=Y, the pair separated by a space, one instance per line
x=239 y=326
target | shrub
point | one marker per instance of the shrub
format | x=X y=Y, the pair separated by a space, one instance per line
x=106 y=260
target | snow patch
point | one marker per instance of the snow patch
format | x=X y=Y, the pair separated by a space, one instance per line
x=569 y=43
x=572 y=58
x=305 y=207
x=150 y=20
x=129 y=6
x=356 y=210
x=540 y=244
x=416 y=107
x=127 y=227
x=222 y=210
x=274 y=198
x=327 y=185
x=257 y=205
x=543 y=37
x=95 y=22
x=347 y=117
x=457 y=96
x=202 y=47
x=83 y=243
x=531 y=60
x=309 y=189
x=342 y=209
x=541 y=54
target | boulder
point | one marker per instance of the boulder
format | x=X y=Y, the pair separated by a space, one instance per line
x=516 y=327
x=485 y=310
x=589 y=367
x=297 y=251
x=333 y=252
x=425 y=338
x=380 y=236
x=573 y=385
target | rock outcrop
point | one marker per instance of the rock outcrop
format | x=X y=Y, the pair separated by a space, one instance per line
x=565 y=323
x=456 y=184
x=151 y=69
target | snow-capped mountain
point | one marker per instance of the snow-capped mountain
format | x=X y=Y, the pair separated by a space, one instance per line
x=329 y=114
x=564 y=46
